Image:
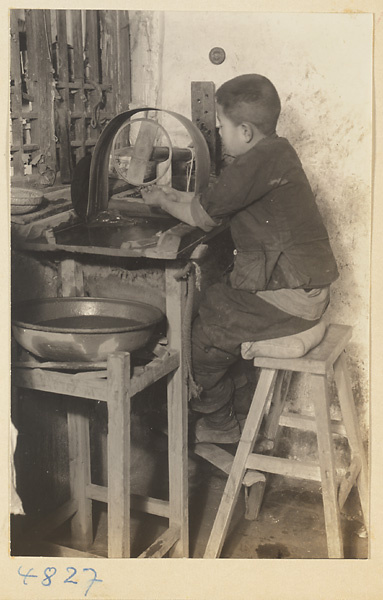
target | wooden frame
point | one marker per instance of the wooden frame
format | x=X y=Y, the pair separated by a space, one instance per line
x=83 y=56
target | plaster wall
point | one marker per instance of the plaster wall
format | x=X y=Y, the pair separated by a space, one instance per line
x=321 y=66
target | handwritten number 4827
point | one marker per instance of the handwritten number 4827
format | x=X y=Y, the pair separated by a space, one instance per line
x=50 y=572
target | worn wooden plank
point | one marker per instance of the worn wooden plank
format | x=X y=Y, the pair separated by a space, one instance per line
x=319 y=360
x=177 y=402
x=118 y=445
x=204 y=115
x=163 y=544
x=245 y=446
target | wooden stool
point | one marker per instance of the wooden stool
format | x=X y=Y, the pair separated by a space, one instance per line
x=324 y=360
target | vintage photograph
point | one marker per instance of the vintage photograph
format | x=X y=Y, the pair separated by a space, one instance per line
x=190 y=221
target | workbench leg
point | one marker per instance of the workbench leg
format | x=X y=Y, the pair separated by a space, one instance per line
x=71 y=284
x=118 y=448
x=79 y=475
x=177 y=419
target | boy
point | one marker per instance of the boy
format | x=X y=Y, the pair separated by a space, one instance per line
x=283 y=262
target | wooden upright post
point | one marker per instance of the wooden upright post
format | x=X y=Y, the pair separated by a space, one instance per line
x=177 y=417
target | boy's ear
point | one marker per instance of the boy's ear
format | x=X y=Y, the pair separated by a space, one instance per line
x=247 y=132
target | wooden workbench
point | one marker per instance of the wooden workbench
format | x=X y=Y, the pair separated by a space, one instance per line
x=173 y=249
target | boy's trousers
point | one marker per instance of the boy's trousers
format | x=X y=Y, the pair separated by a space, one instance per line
x=226 y=319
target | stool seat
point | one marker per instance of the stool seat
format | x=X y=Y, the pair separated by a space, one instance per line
x=325 y=360
x=289 y=346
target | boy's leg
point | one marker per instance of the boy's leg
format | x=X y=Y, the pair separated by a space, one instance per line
x=210 y=366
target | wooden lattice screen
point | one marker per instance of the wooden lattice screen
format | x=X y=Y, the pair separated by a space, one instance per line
x=70 y=74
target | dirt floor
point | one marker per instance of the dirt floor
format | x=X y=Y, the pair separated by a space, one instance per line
x=290 y=523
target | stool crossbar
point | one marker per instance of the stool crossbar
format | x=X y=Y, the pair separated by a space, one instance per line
x=325 y=360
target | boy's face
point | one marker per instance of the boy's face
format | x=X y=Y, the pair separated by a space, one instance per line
x=232 y=135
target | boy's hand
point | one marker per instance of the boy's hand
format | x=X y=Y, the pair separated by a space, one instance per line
x=153 y=195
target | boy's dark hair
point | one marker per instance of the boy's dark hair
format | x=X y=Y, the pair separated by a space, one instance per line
x=250 y=98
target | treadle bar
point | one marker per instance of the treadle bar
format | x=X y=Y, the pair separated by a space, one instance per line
x=284 y=466
x=223 y=460
x=163 y=544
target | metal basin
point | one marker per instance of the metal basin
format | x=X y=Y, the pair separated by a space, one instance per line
x=82 y=329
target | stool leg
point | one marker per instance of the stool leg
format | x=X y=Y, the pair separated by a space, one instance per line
x=271 y=430
x=245 y=447
x=350 y=420
x=79 y=474
x=327 y=466
x=118 y=445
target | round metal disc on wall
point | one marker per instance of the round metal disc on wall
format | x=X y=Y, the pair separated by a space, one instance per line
x=217 y=55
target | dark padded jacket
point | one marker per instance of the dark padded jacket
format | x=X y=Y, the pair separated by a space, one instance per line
x=280 y=238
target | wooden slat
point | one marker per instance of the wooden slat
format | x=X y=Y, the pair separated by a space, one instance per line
x=118 y=445
x=62 y=106
x=78 y=71
x=156 y=369
x=147 y=504
x=307 y=423
x=163 y=544
x=284 y=466
x=109 y=56
x=93 y=64
x=122 y=86
x=59 y=383
x=16 y=101
x=319 y=360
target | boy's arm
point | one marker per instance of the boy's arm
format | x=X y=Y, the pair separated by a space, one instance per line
x=174 y=202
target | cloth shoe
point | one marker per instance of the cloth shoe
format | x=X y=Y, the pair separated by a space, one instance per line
x=220 y=427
